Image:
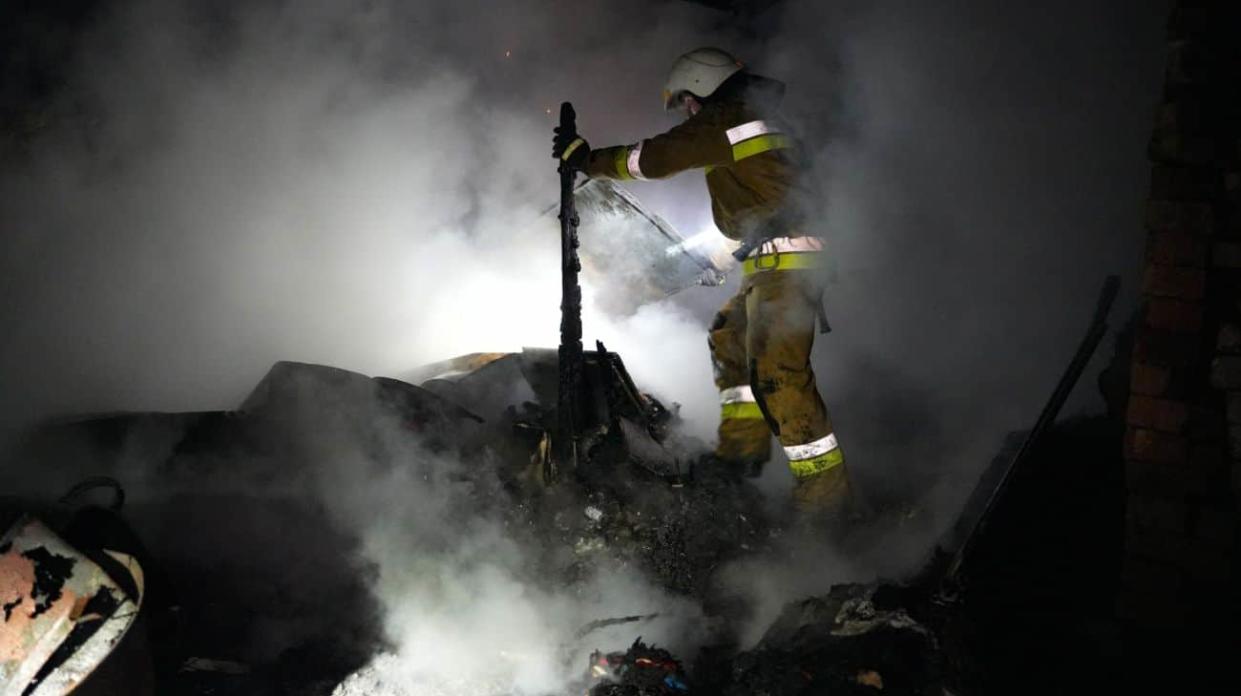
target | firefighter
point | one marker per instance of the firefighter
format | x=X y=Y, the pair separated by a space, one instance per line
x=761 y=338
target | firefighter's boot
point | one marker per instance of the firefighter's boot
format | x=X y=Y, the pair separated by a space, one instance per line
x=824 y=501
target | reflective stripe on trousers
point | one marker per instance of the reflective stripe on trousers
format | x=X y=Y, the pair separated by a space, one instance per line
x=739 y=402
x=814 y=457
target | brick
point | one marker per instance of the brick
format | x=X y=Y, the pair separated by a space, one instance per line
x=1167 y=348
x=1174 y=281
x=1224 y=287
x=1233 y=409
x=1215 y=524
x=1169 y=249
x=1152 y=446
x=1180 y=218
x=1197 y=558
x=1209 y=598
x=1189 y=62
x=1210 y=463
x=1158 y=414
x=1228 y=91
x=1144 y=512
x=1210 y=563
x=1150 y=379
x=1184 y=183
x=1155 y=609
x=1184 y=115
x=1205 y=474
x=1226 y=372
x=1206 y=426
x=1226 y=255
x=1231 y=227
x=1145 y=575
x=1173 y=147
x=1187 y=22
x=1153 y=478
x=1173 y=315
x=1179 y=383
x=1234 y=440
x=1228 y=340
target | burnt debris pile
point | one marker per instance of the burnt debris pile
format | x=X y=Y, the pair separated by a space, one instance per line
x=257 y=580
x=256 y=586
x=854 y=640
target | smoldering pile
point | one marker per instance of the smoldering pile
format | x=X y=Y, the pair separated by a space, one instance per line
x=291 y=605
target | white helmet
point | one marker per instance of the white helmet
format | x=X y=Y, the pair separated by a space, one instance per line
x=699 y=72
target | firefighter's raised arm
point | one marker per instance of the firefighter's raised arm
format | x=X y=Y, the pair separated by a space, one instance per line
x=697 y=143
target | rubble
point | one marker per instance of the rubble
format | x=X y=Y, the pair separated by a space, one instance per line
x=622 y=511
x=642 y=670
x=640 y=500
x=847 y=642
x=854 y=640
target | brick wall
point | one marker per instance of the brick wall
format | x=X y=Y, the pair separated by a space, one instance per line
x=1183 y=441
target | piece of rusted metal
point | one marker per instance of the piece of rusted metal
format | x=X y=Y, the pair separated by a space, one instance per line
x=62 y=612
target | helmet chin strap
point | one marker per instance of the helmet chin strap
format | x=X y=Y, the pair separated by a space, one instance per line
x=685 y=102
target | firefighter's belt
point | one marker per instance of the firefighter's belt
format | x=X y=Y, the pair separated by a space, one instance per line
x=781 y=261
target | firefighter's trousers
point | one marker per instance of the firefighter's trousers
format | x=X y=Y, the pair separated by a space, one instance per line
x=760 y=348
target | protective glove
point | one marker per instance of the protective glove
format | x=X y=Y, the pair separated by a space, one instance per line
x=570 y=149
x=712 y=278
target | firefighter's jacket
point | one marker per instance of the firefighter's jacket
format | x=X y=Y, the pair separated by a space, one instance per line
x=754 y=168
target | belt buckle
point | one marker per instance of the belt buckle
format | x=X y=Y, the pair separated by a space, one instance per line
x=775 y=261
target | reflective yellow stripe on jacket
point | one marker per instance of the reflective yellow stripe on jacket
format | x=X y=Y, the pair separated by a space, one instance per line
x=754 y=138
x=628 y=162
x=620 y=161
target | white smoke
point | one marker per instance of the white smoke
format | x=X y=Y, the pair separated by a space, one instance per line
x=353 y=187
x=294 y=182
x=466 y=606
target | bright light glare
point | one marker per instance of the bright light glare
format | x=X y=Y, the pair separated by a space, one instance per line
x=708 y=236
